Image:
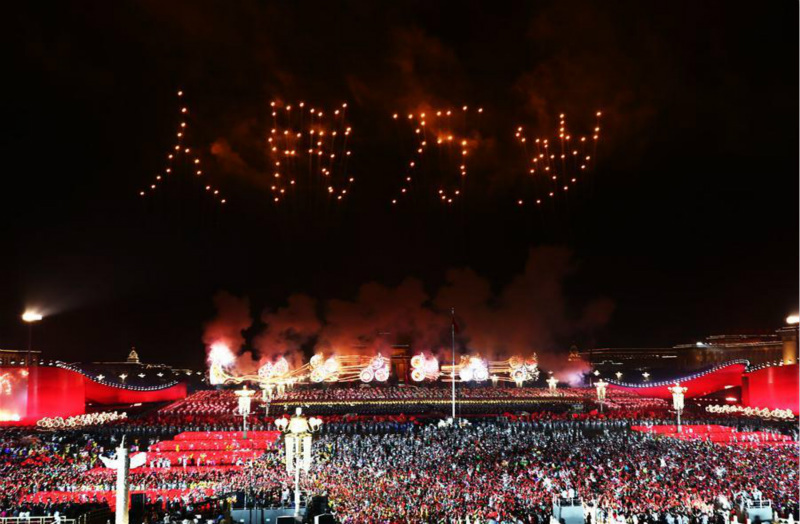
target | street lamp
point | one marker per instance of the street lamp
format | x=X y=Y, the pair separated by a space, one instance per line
x=552 y=383
x=619 y=375
x=298 y=432
x=678 y=393
x=30 y=317
x=601 y=391
x=645 y=376
x=243 y=407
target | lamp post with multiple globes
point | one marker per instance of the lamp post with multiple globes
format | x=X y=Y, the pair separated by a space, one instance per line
x=601 y=385
x=678 y=393
x=243 y=406
x=298 y=432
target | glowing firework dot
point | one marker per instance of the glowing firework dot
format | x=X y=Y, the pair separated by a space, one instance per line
x=559 y=164
x=181 y=153
x=445 y=132
x=311 y=145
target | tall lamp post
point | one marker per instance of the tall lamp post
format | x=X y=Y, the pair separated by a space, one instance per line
x=298 y=432
x=243 y=408
x=678 y=393
x=601 y=385
x=31 y=317
x=267 y=393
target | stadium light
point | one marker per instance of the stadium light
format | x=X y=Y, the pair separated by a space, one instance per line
x=30 y=317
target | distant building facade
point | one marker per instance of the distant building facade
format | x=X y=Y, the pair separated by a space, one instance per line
x=780 y=346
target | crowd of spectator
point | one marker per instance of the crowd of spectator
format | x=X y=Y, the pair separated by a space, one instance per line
x=405 y=469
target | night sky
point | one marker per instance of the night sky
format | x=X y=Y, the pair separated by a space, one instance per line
x=689 y=226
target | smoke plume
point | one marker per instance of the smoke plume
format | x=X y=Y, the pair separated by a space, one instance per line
x=529 y=314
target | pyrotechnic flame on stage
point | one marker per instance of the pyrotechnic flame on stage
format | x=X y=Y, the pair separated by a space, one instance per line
x=473 y=368
x=377 y=369
x=220 y=357
x=352 y=368
x=424 y=368
x=520 y=369
x=323 y=370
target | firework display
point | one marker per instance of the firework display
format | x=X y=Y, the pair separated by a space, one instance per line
x=307 y=152
x=181 y=158
x=558 y=163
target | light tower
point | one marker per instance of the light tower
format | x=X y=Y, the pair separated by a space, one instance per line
x=30 y=318
x=678 y=393
x=243 y=407
x=298 y=432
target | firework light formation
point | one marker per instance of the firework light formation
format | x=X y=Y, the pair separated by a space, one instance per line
x=308 y=149
x=182 y=158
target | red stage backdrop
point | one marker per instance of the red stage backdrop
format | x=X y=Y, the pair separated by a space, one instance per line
x=699 y=384
x=774 y=387
x=28 y=394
